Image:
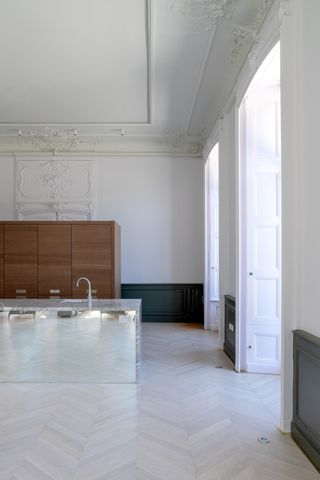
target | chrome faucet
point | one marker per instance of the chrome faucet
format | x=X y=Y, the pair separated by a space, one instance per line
x=89 y=290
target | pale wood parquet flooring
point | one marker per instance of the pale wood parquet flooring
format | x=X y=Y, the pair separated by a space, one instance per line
x=186 y=420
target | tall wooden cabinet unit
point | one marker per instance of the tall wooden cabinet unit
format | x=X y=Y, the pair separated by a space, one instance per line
x=94 y=255
x=54 y=260
x=1 y=262
x=45 y=259
x=21 y=260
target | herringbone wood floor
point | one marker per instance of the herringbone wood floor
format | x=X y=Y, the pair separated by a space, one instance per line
x=186 y=420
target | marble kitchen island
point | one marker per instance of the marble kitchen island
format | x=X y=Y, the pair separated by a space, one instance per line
x=62 y=340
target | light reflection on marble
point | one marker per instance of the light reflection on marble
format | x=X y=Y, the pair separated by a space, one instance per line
x=54 y=303
x=85 y=348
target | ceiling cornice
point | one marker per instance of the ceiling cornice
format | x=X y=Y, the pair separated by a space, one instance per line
x=53 y=141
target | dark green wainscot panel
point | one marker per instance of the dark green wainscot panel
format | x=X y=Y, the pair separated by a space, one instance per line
x=167 y=302
x=305 y=427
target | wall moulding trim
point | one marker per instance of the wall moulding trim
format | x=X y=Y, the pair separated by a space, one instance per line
x=51 y=188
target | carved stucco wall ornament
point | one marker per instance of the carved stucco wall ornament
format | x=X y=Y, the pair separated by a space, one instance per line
x=205 y=14
x=54 y=189
x=54 y=176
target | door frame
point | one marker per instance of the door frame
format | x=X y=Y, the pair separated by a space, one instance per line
x=207 y=237
x=240 y=354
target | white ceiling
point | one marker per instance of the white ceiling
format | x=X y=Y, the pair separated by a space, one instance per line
x=76 y=72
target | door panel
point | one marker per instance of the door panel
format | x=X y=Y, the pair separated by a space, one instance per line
x=264 y=354
x=266 y=185
x=266 y=305
x=92 y=257
x=21 y=269
x=266 y=254
x=54 y=259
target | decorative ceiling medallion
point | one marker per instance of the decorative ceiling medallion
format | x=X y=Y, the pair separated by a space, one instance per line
x=205 y=14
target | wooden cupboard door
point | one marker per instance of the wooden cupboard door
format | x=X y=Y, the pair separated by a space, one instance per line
x=1 y=262
x=92 y=257
x=54 y=261
x=20 y=261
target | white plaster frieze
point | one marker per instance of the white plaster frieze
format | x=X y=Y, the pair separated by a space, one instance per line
x=47 y=139
x=171 y=142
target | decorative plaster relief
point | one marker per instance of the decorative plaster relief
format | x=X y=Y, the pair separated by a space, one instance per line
x=285 y=9
x=52 y=188
x=169 y=142
x=205 y=14
x=49 y=139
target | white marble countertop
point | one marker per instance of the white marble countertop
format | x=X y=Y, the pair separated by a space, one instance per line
x=66 y=304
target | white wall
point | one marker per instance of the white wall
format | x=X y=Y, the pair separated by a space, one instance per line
x=306 y=29
x=300 y=79
x=7 y=188
x=227 y=205
x=158 y=201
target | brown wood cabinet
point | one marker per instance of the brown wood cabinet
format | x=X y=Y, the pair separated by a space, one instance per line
x=21 y=260
x=1 y=262
x=45 y=259
x=92 y=258
x=54 y=261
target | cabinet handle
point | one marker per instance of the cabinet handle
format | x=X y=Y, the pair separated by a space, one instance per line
x=21 y=290
x=54 y=291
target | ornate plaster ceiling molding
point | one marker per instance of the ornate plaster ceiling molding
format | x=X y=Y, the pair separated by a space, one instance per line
x=285 y=9
x=205 y=14
x=52 y=141
x=49 y=139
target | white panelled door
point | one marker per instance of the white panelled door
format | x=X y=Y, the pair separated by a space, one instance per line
x=263 y=231
x=214 y=224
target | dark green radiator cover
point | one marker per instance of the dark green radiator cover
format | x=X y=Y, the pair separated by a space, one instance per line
x=167 y=302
